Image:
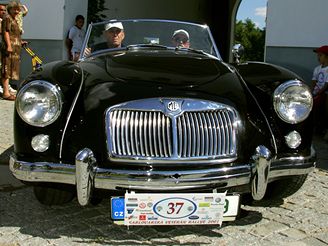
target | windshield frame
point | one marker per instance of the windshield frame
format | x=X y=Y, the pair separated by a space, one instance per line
x=88 y=33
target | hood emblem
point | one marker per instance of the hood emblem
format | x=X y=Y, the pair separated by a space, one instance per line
x=173 y=106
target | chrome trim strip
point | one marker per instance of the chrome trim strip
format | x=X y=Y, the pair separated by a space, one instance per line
x=260 y=172
x=86 y=39
x=84 y=175
x=156 y=180
x=70 y=112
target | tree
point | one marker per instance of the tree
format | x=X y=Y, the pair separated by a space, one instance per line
x=252 y=38
x=95 y=7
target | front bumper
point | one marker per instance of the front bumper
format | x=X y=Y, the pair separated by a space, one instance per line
x=86 y=175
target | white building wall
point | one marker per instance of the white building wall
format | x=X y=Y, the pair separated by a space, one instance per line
x=294 y=28
x=297 y=23
x=45 y=19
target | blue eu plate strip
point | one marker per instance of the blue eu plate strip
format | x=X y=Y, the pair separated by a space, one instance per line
x=117 y=205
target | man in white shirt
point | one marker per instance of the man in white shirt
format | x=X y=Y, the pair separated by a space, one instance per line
x=319 y=90
x=75 y=39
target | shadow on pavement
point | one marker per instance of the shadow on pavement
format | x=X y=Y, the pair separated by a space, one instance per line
x=92 y=224
x=4 y=156
x=321 y=147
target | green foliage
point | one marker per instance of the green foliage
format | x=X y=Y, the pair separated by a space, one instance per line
x=95 y=7
x=252 y=38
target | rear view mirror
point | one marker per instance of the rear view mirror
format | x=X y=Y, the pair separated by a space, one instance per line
x=237 y=52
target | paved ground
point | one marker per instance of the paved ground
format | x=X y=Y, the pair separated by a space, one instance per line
x=301 y=219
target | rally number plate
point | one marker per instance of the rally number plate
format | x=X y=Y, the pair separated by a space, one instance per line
x=174 y=209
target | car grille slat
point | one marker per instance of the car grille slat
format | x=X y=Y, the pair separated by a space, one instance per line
x=149 y=135
x=210 y=135
x=214 y=135
x=164 y=140
x=193 y=133
x=131 y=134
x=222 y=134
x=205 y=134
x=226 y=134
x=202 y=134
x=118 y=134
x=158 y=133
x=155 y=135
x=146 y=134
x=198 y=135
x=189 y=135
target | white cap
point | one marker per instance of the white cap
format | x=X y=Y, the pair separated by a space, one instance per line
x=114 y=24
x=181 y=31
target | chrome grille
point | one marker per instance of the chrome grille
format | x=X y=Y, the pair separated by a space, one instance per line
x=151 y=131
x=203 y=134
x=137 y=133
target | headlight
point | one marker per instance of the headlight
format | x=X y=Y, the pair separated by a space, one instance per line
x=39 y=103
x=293 y=101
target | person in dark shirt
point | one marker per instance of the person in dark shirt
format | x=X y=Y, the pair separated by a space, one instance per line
x=114 y=35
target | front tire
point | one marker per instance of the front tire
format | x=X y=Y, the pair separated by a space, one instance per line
x=283 y=188
x=53 y=194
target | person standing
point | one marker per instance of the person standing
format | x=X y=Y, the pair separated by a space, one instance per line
x=10 y=52
x=75 y=39
x=319 y=88
x=21 y=15
x=3 y=12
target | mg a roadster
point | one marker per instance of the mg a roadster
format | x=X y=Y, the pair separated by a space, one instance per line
x=162 y=125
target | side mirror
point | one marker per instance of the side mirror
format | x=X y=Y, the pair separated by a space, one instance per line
x=237 y=52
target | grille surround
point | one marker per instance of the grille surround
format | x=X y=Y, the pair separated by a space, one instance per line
x=172 y=120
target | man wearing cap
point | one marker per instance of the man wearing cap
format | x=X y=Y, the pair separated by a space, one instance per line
x=319 y=88
x=180 y=38
x=114 y=35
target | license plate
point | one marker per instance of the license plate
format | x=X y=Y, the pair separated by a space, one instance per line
x=174 y=209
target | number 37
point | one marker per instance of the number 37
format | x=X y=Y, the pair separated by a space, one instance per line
x=174 y=208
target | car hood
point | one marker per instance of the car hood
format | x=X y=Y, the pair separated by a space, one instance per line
x=174 y=67
x=116 y=77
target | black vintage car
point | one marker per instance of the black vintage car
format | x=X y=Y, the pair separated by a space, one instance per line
x=163 y=126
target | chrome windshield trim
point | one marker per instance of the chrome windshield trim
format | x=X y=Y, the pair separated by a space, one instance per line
x=91 y=25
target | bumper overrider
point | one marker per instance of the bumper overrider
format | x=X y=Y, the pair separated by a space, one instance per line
x=87 y=176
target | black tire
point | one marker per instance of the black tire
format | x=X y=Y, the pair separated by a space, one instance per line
x=283 y=188
x=54 y=194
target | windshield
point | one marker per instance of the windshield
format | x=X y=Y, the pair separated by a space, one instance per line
x=157 y=34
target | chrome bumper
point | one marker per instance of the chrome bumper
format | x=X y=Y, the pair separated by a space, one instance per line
x=86 y=175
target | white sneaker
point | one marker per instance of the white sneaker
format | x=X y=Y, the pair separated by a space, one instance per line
x=12 y=90
x=1 y=90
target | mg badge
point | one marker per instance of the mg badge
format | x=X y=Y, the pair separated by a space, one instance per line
x=173 y=106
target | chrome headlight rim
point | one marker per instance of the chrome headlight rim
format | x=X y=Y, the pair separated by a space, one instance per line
x=51 y=87
x=277 y=99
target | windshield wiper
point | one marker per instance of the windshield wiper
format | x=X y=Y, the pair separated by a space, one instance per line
x=180 y=48
x=137 y=46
